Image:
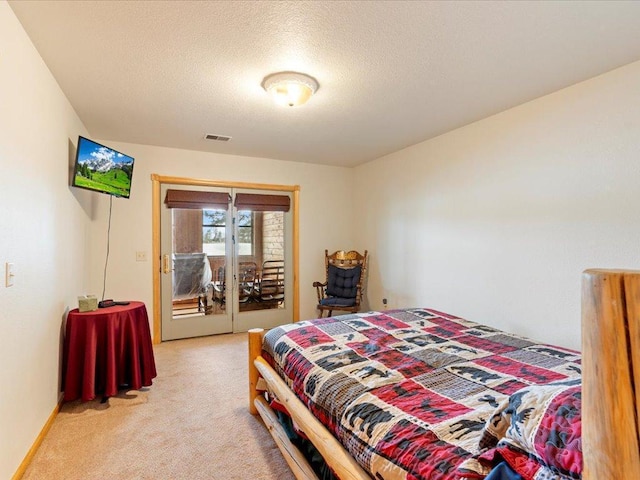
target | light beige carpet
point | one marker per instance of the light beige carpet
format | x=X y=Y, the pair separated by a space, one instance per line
x=193 y=423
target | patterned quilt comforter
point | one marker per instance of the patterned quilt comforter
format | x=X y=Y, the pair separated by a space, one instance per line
x=419 y=394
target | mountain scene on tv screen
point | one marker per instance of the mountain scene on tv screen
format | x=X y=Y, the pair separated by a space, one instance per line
x=100 y=168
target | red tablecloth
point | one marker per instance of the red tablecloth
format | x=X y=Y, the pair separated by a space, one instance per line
x=106 y=349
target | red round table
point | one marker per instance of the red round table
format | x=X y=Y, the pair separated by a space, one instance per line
x=106 y=349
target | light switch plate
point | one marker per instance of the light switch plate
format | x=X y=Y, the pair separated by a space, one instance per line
x=141 y=256
x=8 y=274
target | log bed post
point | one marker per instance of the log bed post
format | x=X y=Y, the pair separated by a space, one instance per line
x=610 y=374
x=255 y=351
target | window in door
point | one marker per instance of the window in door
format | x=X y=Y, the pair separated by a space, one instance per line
x=213 y=232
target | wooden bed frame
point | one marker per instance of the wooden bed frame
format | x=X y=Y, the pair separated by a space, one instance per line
x=610 y=377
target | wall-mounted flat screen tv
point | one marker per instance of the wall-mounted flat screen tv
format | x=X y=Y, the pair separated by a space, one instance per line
x=102 y=169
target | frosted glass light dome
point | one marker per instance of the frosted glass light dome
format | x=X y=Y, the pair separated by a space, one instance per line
x=290 y=89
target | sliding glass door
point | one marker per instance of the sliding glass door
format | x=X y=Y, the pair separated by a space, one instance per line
x=193 y=261
x=226 y=260
x=264 y=261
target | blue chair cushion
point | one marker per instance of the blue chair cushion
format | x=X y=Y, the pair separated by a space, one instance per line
x=338 y=302
x=343 y=282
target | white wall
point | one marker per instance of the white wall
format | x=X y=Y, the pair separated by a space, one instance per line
x=496 y=221
x=43 y=231
x=325 y=215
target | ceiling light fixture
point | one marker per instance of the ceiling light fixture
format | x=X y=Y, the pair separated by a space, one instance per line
x=290 y=88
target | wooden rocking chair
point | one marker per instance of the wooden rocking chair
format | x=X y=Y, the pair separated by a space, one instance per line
x=343 y=287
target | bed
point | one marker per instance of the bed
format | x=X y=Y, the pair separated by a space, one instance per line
x=421 y=394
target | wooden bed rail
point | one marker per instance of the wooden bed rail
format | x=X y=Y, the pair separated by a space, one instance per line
x=610 y=374
x=333 y=453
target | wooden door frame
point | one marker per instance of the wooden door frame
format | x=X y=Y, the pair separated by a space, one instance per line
x=159 y=180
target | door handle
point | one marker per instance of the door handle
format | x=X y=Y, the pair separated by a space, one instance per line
x=166 y=264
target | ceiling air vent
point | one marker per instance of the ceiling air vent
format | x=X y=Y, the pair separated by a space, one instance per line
x=219 y=138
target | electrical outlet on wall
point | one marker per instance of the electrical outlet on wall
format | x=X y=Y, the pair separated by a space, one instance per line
x=141 y=256
x=390 y=303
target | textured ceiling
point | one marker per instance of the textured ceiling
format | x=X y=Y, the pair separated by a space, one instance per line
x=391 y=74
